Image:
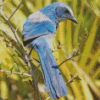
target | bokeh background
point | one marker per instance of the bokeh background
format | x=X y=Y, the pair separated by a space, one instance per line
x=83 y=39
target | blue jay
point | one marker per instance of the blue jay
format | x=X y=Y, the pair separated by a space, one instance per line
x=39 y=30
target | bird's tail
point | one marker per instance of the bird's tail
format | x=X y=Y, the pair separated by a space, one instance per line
x=52 y=76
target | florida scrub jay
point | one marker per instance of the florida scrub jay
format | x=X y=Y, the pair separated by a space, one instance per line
x=39 y=30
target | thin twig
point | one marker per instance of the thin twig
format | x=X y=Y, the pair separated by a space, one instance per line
x=9 y=45
x=36 y=60
x=16 y=29
x=1 y=12
x=15 y=10
x=36 y=69
x=68 y=59
x=71 y=80
x=59 y=47
x=18 y=73
x=9 y=35
x=40 y=78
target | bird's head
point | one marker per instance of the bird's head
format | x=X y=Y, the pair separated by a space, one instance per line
x=58 y=12
x=64 y=12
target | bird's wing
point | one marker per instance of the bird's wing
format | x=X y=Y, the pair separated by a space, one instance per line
x=34 y=30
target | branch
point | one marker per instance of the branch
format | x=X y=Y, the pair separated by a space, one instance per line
x=15 y=10
x=9 y=35
x=36 y=60
x=1 y=12
x=18 y=73
x=9 y=45
x=14 y=41
x=74 y=77
x=14 y=31
x=59 y=46
x=25 y=56
x=36 y=69
x=68 y=59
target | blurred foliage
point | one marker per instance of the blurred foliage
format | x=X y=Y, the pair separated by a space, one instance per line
x=83 y=38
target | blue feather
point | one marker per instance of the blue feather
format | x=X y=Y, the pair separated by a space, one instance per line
x=52 y=76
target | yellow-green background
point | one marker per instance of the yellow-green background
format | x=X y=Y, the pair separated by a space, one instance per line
x=84 y=38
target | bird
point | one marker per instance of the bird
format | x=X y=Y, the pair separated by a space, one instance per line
x=39 y=29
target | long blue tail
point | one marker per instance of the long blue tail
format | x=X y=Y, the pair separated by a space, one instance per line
x=52 y=76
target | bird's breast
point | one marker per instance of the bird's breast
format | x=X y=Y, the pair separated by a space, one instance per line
x=49 y=39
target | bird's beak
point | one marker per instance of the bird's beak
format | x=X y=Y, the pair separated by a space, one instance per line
x=74 y=20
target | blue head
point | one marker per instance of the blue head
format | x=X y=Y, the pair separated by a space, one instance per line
x=59 y=12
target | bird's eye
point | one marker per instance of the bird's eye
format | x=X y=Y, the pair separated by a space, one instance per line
x=66 y=11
